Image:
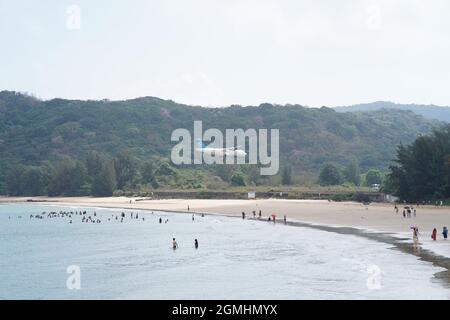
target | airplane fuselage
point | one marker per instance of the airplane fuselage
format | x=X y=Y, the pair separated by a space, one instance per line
x=222 y=152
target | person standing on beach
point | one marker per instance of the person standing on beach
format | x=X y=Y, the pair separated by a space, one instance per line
x=193 y=218
x=404 y=213
x=285 y=219
x=396 y=209
x=445 y=232
x=196 y=243
x=243 y=215
x=174 y=244
x=189 y=209
x=260 y=214
x=160 y=220
x=433 y=234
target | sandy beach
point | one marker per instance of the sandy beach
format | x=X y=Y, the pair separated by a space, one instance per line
x=376 y=216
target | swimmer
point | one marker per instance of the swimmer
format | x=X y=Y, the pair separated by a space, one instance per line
x=174 y=244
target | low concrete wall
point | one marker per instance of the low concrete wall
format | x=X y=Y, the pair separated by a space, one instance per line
x=359 y=196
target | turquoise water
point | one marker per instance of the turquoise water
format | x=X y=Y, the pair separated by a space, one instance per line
x=236 y=260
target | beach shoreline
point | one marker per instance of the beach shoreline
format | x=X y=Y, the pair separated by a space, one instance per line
x=379 y=217
x=376 y=217
x=377 y=222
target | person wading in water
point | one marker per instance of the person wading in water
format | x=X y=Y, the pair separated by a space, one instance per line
x=174 y=244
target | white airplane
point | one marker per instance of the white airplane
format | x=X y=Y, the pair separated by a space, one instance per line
x=229 y=152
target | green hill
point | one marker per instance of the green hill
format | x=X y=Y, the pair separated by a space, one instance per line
x=427 y=111
x=34 y=132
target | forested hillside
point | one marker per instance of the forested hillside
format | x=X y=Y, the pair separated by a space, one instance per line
x=427 y=111
x=43 y=133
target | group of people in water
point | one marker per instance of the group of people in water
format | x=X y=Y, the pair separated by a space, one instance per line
x=175 y=244
x=271 y=218
x=85 y=217
x=415 y=235
x=66 y=214
x=174 y=241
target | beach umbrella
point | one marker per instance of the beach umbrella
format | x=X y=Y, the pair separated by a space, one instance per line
x=274 y=216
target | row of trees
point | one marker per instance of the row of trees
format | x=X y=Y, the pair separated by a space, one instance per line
x=331 y=175
x=97 y=175
x=422 y=169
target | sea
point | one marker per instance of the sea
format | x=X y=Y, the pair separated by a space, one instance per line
x=65 y=258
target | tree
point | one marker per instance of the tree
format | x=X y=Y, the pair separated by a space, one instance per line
x=422 y=169
x=373 y=177
x=238 y=179
x=286 y=176
x=330 y=175
x=253 y=174
x=104 y=182
x=352 y=173
x=68 y=178
x=224 y=171
x=94 y=162
x=126 y=167
x=148 y=172
x=33 y=182
x=2 y=185
x=165 y=169
x=13 y=180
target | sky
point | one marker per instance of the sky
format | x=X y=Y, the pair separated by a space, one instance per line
x=217 y=53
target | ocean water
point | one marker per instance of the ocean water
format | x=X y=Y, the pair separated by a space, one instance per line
x=236 y=259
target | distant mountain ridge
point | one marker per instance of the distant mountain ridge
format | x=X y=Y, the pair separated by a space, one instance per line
x=428 y=111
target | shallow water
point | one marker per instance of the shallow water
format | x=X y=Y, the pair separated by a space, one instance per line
x=236 y=260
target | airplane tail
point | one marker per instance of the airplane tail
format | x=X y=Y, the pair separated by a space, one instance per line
x=199 y=144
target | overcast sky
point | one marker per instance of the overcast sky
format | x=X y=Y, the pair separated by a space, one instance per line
x=217 y=53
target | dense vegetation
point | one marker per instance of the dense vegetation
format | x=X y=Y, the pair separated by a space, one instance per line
x=422 y=169
x=69 y=147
